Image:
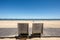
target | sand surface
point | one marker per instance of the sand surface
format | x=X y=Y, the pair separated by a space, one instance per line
x=34 y=39
x=50 y=28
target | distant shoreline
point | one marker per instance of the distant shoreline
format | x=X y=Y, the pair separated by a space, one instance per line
x=29 y=19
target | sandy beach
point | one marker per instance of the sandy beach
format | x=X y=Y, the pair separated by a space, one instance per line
x=10 y=29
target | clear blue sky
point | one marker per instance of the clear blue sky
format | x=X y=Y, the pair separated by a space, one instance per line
x=30 y=9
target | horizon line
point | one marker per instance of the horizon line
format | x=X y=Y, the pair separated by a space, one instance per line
x=25 y=19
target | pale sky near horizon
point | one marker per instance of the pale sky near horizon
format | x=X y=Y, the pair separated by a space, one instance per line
x=30 y=9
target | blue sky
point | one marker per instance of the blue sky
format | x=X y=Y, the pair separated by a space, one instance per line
x=30 y=9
